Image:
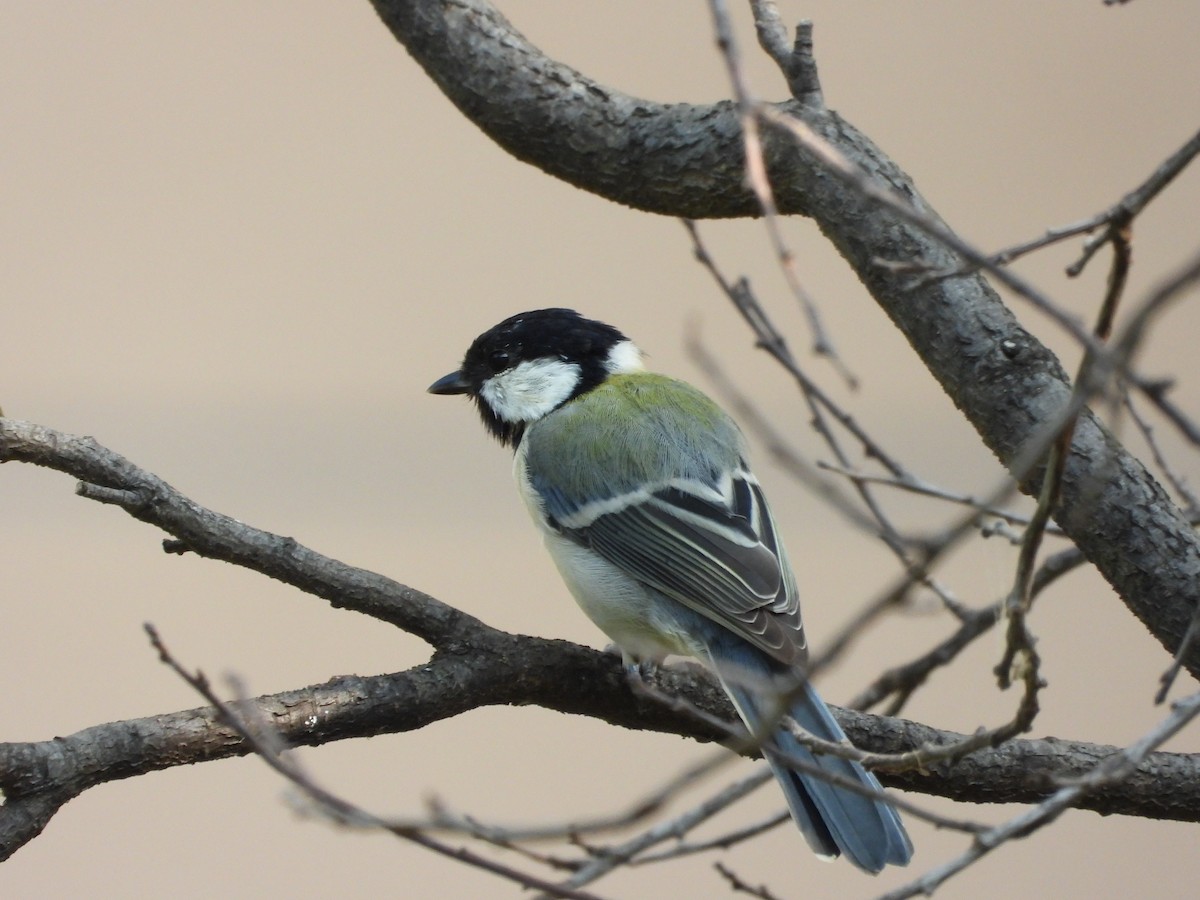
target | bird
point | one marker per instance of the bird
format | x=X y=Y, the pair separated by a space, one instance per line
x=640 y=487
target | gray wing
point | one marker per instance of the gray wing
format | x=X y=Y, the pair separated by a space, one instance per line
x=718 y=555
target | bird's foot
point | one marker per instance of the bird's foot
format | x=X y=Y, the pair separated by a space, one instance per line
x=644 y=671
x=640 y=673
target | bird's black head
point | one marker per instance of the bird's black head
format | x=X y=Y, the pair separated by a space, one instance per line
x=533 y=363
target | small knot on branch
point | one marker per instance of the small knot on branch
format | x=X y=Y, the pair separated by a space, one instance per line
x=797 y=62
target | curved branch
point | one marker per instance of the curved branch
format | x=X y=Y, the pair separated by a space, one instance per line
x=687 y=160
x=653 y=156
x=39 y=777
x=110 y=478
x=474 y=666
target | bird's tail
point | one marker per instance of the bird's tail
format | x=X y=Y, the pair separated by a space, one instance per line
x=834 y=820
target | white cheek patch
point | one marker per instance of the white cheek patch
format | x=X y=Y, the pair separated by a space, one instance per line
x=531 y=389
x=623 y=358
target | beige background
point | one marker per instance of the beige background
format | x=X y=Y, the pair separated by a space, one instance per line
x=238 y=241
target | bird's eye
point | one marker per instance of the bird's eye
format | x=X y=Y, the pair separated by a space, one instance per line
x=499 y=359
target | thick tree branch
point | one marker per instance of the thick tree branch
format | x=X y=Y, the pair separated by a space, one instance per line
x=496 y=668
x=687 y=160
x=38 y=777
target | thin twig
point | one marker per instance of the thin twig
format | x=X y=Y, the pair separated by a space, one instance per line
x=1112 y=770
x=1167 y=679
x=759 y=182
x=914 y=485
x=903 y=680
x=751 y=417
x=1113 y=219
x=900 y=682
x=820 y=405
x=1191 y=503
x=860 y=181
x=265 y=742
x=866 y=186
x=740 y=741
x=607 y=859
x=721 y=842
x=1129 y=342
x=738 y=886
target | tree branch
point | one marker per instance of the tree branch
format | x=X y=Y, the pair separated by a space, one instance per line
x=39 y=777
x=473 y=666
x=688 y=160
x=108 y=477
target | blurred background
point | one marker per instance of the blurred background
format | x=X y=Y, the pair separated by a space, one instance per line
x=239 y=240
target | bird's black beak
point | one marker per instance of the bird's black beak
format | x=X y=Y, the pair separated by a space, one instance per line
x=454 y=383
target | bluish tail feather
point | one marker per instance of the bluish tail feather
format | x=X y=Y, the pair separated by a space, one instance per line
x=833 y=820
x=868 y=831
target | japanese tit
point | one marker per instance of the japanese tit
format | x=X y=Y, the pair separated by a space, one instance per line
x=640 y=486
